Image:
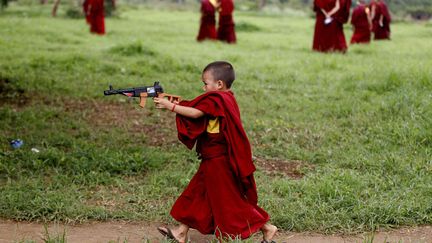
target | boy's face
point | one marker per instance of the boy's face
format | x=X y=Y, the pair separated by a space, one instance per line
x=210 y=84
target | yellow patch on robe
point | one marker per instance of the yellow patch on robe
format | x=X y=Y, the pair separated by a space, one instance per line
x=213 y=125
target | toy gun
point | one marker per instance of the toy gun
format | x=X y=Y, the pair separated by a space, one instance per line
x=143 y=92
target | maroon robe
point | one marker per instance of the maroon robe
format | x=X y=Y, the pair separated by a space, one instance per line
x=360 y=23
x=221 y=198
x=96 y=16
x=226 y=30
x=381 y=32
x=330 y=37
x=208 y=22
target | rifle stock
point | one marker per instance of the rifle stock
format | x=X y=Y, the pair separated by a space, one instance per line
x=171 y=98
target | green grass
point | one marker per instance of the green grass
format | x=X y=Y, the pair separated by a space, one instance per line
x=363 y=119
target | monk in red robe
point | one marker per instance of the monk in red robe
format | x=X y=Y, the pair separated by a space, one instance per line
x=208 y=21
x=361 y=22
x=330 y=17
x=221 y=198
x=226 y=31
x=380 y=20
x=96 y=16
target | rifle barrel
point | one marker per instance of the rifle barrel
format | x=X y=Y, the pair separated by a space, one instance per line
x=151 y=90
x=135 y=91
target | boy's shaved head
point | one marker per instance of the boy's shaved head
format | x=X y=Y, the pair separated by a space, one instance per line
x=221 y=70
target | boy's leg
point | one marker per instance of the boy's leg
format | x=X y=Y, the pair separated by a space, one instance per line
x=179 y=233
x=268 y=231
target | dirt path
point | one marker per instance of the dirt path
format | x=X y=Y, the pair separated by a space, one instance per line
x=11 y=231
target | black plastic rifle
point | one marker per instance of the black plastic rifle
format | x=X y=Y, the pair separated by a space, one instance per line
x=143 y=92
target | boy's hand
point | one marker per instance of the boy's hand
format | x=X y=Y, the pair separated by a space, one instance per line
x=162 y=103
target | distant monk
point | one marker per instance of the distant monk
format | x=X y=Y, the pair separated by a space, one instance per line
x=330 y=17
x=380 y=20
x=226 y=30
x=361 y=22
x=96 y=15
x=208 y=21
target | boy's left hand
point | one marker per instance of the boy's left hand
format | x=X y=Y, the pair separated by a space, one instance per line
x=162 y=103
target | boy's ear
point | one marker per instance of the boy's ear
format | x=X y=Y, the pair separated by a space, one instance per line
x=220 y=84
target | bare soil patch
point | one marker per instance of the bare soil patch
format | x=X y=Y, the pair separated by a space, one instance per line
x=157 y=126
x=275 y=167
x=11 y=231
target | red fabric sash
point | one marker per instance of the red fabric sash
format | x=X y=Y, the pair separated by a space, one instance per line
x=207 y=28
x=359 y=17
x=220 y=104
x=385 y=12
x=327 y=5
x=226 y=7
x=341 y=15
x=359 y=20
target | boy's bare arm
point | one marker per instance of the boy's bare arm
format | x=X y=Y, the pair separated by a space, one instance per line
x=187 y=111
x=191 y=112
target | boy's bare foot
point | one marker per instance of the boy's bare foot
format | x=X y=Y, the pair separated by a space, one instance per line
x=178 y=234
x=269 y=232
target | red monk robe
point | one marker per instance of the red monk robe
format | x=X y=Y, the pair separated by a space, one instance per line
x=221 y=198
x=380 y=20
x=97 y=16
x=226 y=31
x=330 y=36
x=360 y=21
x=208 y=22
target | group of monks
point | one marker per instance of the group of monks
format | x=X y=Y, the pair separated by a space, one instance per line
x=329 y=36
x=225 y=31
x=94 y=13
x=366 y=19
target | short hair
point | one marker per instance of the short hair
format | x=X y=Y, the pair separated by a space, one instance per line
x=223 y=71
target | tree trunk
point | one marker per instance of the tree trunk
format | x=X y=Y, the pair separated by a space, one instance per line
x=261 y=4
x=4 y=3
x=55 y=7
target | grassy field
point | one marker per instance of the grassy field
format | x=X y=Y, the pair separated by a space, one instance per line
x=361 y=123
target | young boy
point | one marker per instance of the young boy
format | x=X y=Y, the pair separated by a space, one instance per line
x=381 y=20
x=221 y=198
x=361 y=22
